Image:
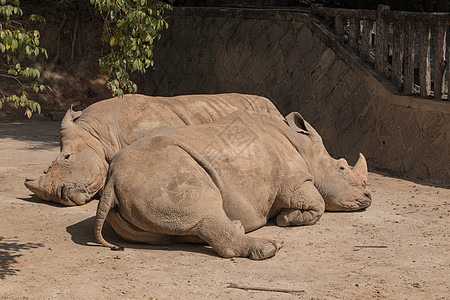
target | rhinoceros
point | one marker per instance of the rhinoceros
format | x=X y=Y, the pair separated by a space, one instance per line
x=215 y=182
x=89 y=139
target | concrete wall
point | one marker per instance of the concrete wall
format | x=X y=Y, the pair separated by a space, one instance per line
x=288 y=58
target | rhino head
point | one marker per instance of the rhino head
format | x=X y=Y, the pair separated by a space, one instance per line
x=342 y=187
x=78 y=172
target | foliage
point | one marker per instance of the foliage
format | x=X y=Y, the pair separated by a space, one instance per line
x=18 y=44
x=131 y=27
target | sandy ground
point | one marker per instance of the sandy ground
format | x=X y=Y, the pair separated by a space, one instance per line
x=397 y=249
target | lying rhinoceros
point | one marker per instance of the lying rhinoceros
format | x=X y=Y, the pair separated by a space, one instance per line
x=91 y=138
x=215 y=182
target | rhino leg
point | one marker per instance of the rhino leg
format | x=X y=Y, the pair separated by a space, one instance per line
x=304 y=206
x=228 y=239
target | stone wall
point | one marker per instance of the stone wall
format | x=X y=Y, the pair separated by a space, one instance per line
x=288 y=58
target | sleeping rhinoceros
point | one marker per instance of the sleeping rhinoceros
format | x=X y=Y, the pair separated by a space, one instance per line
x=89 y=139
x=215 y=182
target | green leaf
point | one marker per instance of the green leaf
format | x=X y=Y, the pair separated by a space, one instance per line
x=135 y=64
x=131 y=28
x=14 y=45
x=28 y=113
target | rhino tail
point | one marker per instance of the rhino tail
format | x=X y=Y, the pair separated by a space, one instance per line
x=105 y=204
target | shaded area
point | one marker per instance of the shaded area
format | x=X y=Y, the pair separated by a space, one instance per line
x=35 y=199
x=42 y=135
x=9 y=252
x=82 y=233
x=421 y=181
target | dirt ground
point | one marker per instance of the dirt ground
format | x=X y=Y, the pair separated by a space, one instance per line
x=397 y=249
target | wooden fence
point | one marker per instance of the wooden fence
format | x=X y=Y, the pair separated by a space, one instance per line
x=390 y=40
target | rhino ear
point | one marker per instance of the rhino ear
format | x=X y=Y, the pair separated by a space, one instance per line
x=70 y=116
x=297 y=123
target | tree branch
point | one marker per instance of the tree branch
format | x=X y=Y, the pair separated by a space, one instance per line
x=276 y=290
x=13 y=77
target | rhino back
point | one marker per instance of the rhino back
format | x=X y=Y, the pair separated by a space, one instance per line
x=121 y=121
x=202 y=109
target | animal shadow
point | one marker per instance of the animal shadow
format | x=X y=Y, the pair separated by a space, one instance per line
x=82 y=233
x=35 y=199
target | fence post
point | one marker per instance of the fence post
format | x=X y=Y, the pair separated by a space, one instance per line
x=365 y=39
x=339 y=26
x=381 y=41
x=354 y=32
x=424 y=67
x=409 y=53
x=439 y=60
x=397 y=55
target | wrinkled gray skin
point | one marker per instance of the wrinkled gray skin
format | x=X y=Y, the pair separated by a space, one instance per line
x=215 y=182
x=91 y=138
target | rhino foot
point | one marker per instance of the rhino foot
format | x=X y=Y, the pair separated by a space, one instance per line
x=264 y=249
x=228 y=239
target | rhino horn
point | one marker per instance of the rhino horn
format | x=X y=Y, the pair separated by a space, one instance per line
x=361 y=167
x=68 y=119
x=33 y=185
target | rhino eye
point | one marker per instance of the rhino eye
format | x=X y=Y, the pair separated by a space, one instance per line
x=342 y=168
x=67 y=156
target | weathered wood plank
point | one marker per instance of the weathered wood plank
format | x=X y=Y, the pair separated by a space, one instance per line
x=418 y=17
x=381 y=41
x=409 y=53
x=318 y=9
x=339 y=26
x=391 y=16
x=354 y=33
x=397 y=55
x=439 y=60
x=365 y=39
x=424 y=62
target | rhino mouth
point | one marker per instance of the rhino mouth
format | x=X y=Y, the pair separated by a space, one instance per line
x=366 y=201
x=360 y=203
x=70 y=194
x=79 y=194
